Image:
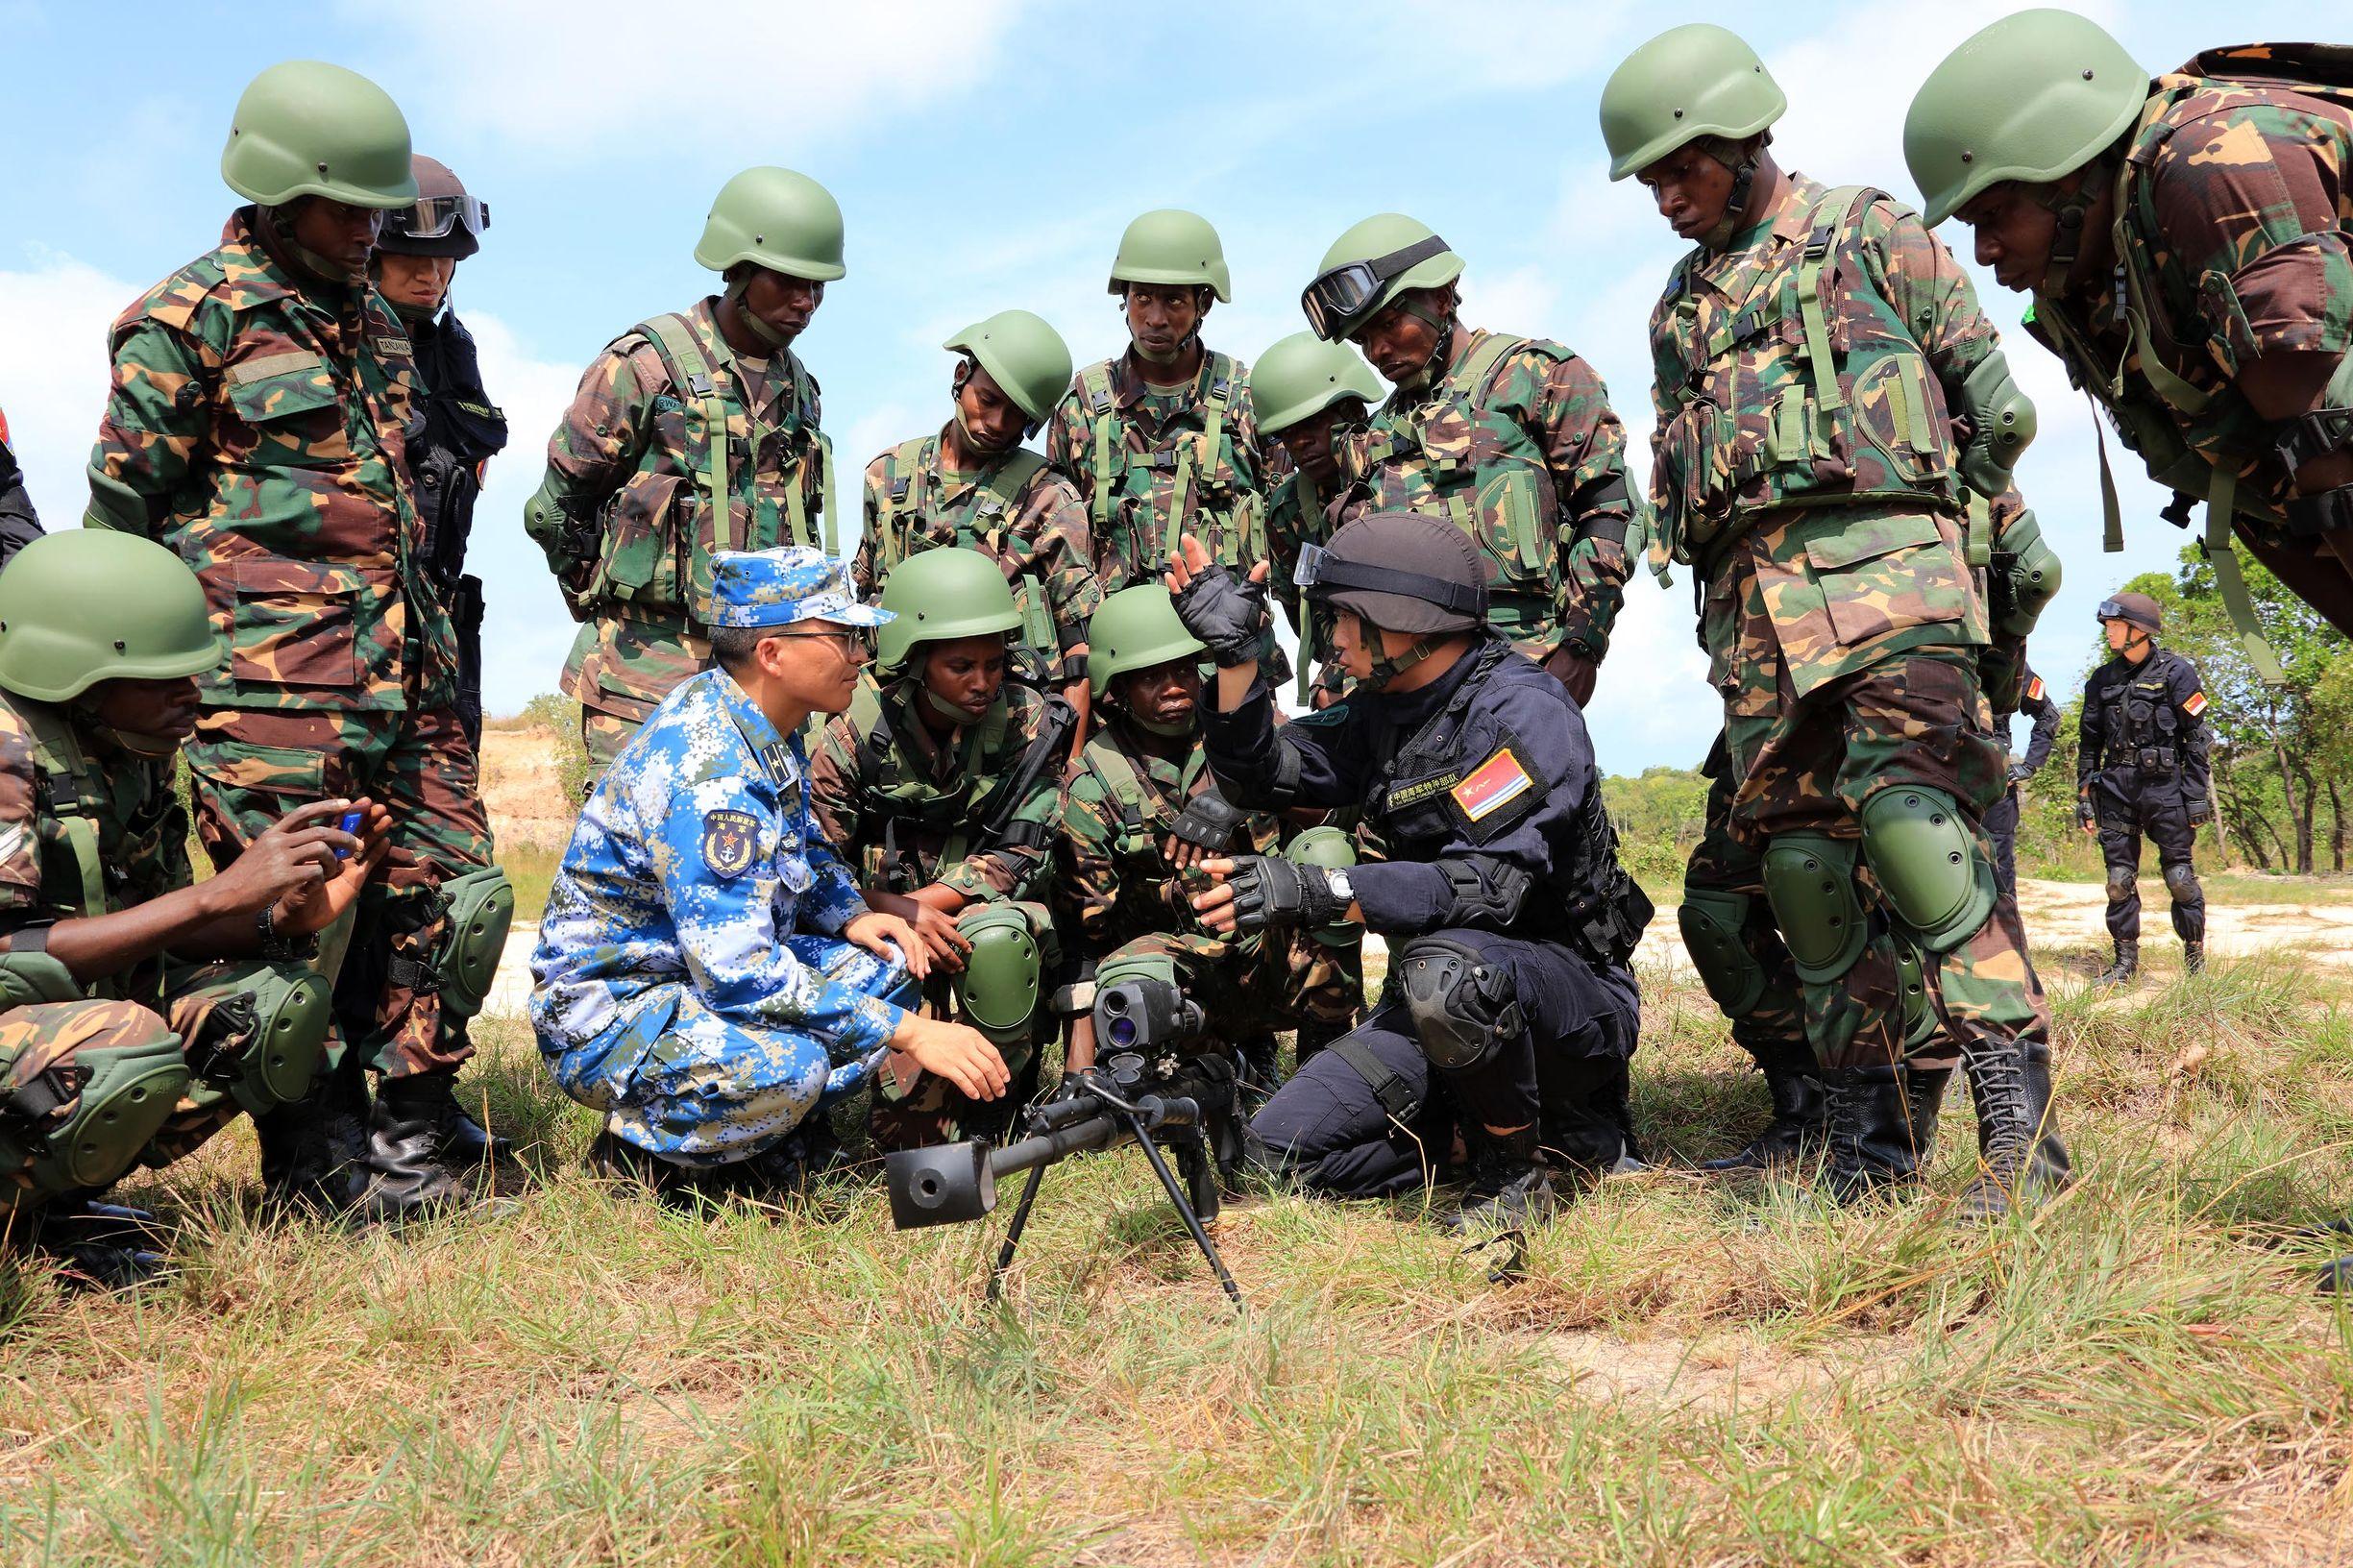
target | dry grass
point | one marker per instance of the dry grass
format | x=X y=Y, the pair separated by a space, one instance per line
x=1691 y=1373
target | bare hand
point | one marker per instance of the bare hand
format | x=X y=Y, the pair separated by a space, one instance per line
x=295 y=855
x=887 y=936
x=306 y=912
x=942 y=939
x=957 y=1052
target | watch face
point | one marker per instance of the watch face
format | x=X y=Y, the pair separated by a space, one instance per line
x=1337 y=882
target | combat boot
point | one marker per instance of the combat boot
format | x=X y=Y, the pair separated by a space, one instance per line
x=1585 y=1117
x=1924 y=1100
x=2336 y=1276
x=1260 y=1064
x=409 y=1172
x=314 y=1149
x=1870 y=1135
x=2193 y=957
x=458 y=1135
x=2127 y=965
x=100 y=1247
x=1801 y=1121
x=2020 y=1156
x=1510 y=1187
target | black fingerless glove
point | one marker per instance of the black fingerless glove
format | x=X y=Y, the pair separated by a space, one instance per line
x=1227 y=612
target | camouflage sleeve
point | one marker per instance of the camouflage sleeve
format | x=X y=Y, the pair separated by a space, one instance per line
x=1285 y=532
x=1089 y=885
x=1585 y=447
x=863 y=579
x=1666 y=375
x=1056 y=546
x=1066 y=441
x=2248 y=205
x=833 y=786
x=595 y=447
x=20 y=848
x=1017 y=869
x=1242 y=424
x=157 y=419
x=1920 y=277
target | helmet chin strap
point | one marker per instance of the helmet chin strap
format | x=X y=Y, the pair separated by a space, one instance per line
x=281 y=230
x=1163 y=728
x=1441 y=352
x=134 y=742
x=750 y=318
x=1387 y=667
x=1741 y=159
x=2070 y=211
x=1182 y=347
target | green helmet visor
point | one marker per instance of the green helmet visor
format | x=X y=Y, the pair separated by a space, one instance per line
x=1337 y=302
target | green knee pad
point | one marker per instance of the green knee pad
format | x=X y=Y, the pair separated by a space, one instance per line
x=262 y=1043
x=1919 y=1020
x=1919 y=849
x=127 y=1092
x=33 y=976
x=1712 y=919
x=481 y=909
x=1002 y=974
x=1809 y=883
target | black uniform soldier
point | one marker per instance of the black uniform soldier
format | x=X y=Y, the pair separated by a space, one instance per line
x=19 y=524
x=2141 y=768
x=1509 y=920
x=2001 y=820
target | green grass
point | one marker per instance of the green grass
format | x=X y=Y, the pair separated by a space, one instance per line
x=1689 y=1373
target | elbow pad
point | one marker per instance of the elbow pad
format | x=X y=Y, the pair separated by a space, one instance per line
x=2030 y=572
x=1488 y=893
x=2001 y=422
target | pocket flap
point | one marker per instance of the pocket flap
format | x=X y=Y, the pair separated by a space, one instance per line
x=280 y=770
x=281 y=385
x=1868 y=538
x=256 y=574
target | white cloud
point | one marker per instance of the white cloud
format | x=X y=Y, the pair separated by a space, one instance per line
x=54 y=317
x=598 y=74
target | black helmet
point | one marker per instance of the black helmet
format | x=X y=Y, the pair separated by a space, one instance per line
x=442 y=221
x=1402 y=572
x=2134 y=610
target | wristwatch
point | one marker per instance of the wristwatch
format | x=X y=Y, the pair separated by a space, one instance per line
x=280 y=949
x=1341 y=887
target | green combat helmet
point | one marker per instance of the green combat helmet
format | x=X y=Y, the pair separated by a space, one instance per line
x=1371 y=264
x=1171 y=246
x=938 y=595
x=1699 y=80
x=305 y=128
x=2035 y=96
x=1333 y=850
x=1025 y=355
x=1137 y=628
x=778 y=219
x=90 y=604
x=1304 y=375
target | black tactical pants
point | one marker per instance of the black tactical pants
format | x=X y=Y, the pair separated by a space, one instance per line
x=2002 y=826
x=2164 y=817
x=1369 y=1115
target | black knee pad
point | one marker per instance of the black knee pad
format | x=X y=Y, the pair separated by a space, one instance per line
x=1462 y=1006
x=2120 y=881
x=2181 y=881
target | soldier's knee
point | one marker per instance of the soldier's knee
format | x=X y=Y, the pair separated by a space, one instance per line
x=254 y=1032
x=2121 y=882
x=2181 y=881
x=1002 y=975
x=1937 y=882
x=480 y=912
x=87 y=1085
x=1809 y=884
x=1462 y=1006
x=1713 y=923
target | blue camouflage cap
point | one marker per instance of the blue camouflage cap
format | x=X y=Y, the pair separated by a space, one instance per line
x=776 y=587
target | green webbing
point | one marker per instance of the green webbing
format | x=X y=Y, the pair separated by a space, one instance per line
x=60 y=751
x=829 y=499
x=1097 y=384
x=692 y=368
x=1825 y=369
x=2110 y=514
x=2221 y=495
x=1980 y=531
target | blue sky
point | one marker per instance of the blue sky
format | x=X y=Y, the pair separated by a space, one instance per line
x=986 y=153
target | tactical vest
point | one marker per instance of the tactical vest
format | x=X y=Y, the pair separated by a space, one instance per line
x=658 y=566
x=2148 y=410
x=103 y=830
x=982 y=520
x=1588 y=903
x=1144 y=818
x=958 y=817
x=1205 y=496
x=2141 y=727
x=1814 y=392
x=1489 y=476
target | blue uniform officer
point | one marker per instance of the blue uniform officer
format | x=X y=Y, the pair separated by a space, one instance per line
x=707 y=973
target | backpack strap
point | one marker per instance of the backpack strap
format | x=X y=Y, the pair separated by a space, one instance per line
x=1829 y=219
x=1465 y=385
x=1005 y=485
x=1096 y=383
x=691 y=372
x=58 y=754
x=903 y=470
x=1221 y=372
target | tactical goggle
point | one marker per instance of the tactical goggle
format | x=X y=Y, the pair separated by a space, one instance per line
x=1336 y=302
x=433 y=217
x=2111 y=610
x=1319 y=572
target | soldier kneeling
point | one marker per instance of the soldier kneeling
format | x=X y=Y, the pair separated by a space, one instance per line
x=139 y=1009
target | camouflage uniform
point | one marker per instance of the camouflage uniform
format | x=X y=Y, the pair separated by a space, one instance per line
x=2234 y=200
x=1019 y=513
x=1126 y=901
x=85 y=833
x=1517 y=444
x=1843 y=623
x=631 y=467
x=902 y=809
x=257 y=426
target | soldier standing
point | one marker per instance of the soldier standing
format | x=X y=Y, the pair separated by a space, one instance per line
x=941 y=788
x=1308 y=394
x=2141 y=768
x=691 y=432
x=258 y=426
x=2185 y=241
x=1813 y=356
x=1510 y=438
x=2001 y=821
x=139 y=1009
x=973 y=485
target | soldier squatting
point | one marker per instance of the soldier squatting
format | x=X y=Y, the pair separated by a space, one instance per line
x=886 y=827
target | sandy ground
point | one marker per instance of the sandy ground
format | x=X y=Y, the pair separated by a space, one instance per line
x=519 y=786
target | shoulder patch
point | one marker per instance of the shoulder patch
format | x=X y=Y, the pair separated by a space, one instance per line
x=2034 y=690
x=2193 y=704
x=1492 y=785
x=728 y=840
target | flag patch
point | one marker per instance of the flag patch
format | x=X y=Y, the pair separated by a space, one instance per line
x=2195 y=705
x=1492 y=785
x=2034 y=690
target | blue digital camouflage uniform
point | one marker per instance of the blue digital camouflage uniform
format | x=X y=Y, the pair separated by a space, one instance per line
x=692 y=980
